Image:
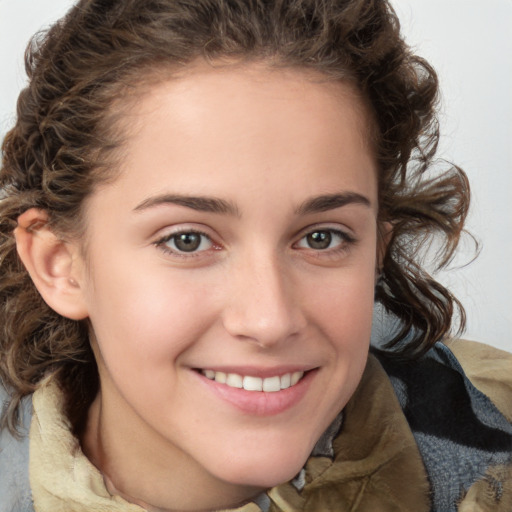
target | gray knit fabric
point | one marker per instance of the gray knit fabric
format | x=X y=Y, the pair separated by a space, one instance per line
x=15 y=495
x=459 y=431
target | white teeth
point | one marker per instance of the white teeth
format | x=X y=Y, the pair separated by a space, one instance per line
x=272 y=384
x=210 y=374
x=249 y=383
x=234 y=380
x=296 y=376
x=220 y=377
x=286 y=381
x=253 y=383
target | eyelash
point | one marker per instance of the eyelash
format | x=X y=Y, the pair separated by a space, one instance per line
x=346 y=241
x=162 y=243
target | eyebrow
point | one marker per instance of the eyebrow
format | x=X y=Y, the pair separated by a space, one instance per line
x=201 y=204
x=331 y=202
x=316 y=204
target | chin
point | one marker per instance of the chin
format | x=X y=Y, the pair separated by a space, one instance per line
x=265 y=470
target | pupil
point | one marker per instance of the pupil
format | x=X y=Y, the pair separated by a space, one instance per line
x=187 y=242
x=319 y=239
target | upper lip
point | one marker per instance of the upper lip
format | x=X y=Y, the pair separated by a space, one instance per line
x=254 y=371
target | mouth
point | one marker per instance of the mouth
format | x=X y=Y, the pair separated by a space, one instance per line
x=270 y=384
x=259 y=392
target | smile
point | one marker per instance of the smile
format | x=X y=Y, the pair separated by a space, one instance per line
x=250 y=383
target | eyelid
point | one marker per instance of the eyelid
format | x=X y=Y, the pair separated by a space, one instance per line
x=345 y=232
x=348 y=240
x=161 y=241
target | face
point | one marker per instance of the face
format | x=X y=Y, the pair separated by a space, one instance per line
x=231 y=269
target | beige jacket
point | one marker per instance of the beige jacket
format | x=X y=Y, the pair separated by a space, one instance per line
x=376 y=467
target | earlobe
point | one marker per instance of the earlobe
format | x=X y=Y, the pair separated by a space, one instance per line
x=51 y=263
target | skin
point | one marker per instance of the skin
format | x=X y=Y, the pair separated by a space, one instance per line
x=255 y=295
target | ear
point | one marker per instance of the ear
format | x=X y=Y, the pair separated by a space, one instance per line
x=54 y=265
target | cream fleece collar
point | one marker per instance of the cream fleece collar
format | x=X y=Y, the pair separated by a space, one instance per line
x=62 y=479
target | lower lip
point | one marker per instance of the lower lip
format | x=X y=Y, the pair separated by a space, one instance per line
x=261 y=403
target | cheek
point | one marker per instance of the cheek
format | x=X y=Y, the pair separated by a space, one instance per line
x=146 y=318
x=343 y=313
x=344 y=301
x=346 y=320
x=143 y=326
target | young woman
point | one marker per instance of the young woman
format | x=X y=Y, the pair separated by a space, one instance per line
x=201 y=203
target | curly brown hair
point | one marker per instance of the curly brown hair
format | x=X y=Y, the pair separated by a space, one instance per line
x=81 y=74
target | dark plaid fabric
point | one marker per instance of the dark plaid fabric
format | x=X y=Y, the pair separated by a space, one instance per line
x=459 y=431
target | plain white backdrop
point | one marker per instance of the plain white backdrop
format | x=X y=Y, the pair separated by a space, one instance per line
x=469 y=44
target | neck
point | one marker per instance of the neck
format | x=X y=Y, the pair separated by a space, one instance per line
x=145 y=469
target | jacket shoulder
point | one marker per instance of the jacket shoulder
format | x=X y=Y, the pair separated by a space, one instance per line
x=489 y=369
x=457 y=405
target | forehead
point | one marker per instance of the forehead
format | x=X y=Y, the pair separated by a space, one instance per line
x=226 y=87
x=240 y=125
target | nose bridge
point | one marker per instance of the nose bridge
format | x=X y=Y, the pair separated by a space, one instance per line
x=262 y=305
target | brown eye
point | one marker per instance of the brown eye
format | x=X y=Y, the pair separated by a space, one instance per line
x=325 y=239
x=187 y=242
x=319 y=240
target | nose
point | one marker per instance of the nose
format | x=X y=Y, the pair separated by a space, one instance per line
x=262 y=306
